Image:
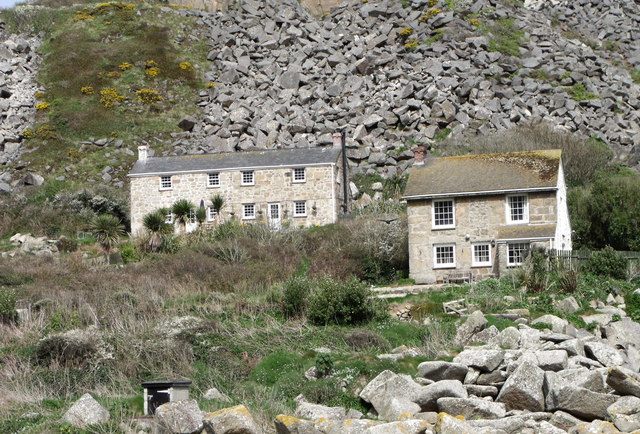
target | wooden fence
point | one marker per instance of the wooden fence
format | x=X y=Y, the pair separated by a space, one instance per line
x=574 y=259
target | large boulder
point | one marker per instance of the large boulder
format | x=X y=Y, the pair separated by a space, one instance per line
x=182 y=417
x=523 y=389
x=232 y=420
x=475 y=323
x=427 y=397
x=557 y=324
x=439 y=370
x=584 y=403
x=414 y=426
x=307 y=410
x=623 y=333
x=484 y=360
x=625 y=413
x=86 y=411
x=472 y=408
x=604 y=354
x=624 y=381
x=286 y=424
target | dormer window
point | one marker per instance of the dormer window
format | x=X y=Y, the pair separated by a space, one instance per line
x=213 y=179
x=247 y=178
x=299 y=174
x=517 y=208
x=165 y=183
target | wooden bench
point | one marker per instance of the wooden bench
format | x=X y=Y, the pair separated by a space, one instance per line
x=458 y=277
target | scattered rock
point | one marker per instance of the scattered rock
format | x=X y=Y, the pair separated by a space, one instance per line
x=180 y=417
x=86 y=411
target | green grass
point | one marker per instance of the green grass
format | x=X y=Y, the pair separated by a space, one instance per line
x=635 y=75
x=76 y=56
x=504 y=36
x=500 y=323
x=579 y=93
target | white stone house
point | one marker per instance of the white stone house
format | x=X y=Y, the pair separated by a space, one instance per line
x=300 y=187
x=474 y=216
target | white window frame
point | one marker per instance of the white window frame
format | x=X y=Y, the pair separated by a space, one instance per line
x=511 y=263
x=192 y=216
x=166 y=183
x=213 y=179
x=245 y=207
x=169 y=218
x=299 y=175
x=446 y=264
x=295 y=208
x=525 y=211
x=211 y=214
x=474 y=259
x=247 y=173
x=435 y=224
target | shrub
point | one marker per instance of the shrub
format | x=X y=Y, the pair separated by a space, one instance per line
x=295 y=297
x=632 y=306
x=361 y=339
x=8 y=312
x=148 y=96
x=65 y=244
x=129 y=253
x=110 y=96
x=275 y=365
x=324 y=365
x=533 y=273
x=607 y=262
x=341 y=303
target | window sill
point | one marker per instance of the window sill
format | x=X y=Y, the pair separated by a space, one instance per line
x=518 y=222
x=481 y=265
x=248 y=218
x=300 y=216
x=213 y=186
x=444 y=267
x=442 y=228
x=165 y=189
x=247 y=185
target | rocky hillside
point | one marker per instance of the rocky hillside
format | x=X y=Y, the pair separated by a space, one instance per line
x=393 y=73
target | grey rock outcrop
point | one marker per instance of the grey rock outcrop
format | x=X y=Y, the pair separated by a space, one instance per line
x=86 y=411
x=182 y=417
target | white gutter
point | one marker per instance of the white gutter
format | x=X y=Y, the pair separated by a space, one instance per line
x=226 y=169
x=523 y=239
x=479 y=193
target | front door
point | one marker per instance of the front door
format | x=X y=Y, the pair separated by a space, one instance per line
x=274 y=216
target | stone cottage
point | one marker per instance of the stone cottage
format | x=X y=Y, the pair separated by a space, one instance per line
x=301 y=187
x=475 y=216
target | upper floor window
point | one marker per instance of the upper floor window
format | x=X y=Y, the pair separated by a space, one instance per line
x=516 y=253
x=481 y=255
x=249 y=211
x=165 y=183
x=443 y=214
x=517 y=209
x=299 y=174
x=213 y=179
x=444 y=256
x=248 y=178
x=300 y=208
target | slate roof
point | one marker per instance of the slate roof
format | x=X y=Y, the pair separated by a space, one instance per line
x=484 y=174
x=518 y=232
x=235 y=160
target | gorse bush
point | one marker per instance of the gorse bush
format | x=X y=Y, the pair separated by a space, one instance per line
x=607 y=262
x=296 y=296
x=340 y=303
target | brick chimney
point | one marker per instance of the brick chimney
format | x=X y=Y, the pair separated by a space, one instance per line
x=142 y=153
x=337 y=140
x=419 y=154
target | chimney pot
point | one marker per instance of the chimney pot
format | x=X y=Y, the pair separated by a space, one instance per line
x=337 y=140
x=142 y=153
x=419 y=155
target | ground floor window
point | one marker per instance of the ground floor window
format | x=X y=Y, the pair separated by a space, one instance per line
x=516 y=253
x=444 y=256
x=481 y=255
x=249 y=211
x=168 y=218
x=299 y=208
x=211 y=214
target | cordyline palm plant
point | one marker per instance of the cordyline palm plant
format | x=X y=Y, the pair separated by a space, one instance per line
x=157 y=227
x=108 y=230
x=217 y=203
x=182 y=210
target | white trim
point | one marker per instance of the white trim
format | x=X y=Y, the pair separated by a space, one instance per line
x=295 y=203
x=515 y=264
x=170 y=187
x=474 y=263
x=508 y=240
x=253 y=177
x=226 y=169
x=293 y=175
x=435 y=256
x=507 y=209
x=478 y=193
x=334 y=205
x=433 y=214
x=244 y=216
x=211 y=214
x=209 y=185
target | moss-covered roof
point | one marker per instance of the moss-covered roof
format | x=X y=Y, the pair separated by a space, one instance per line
x=519 y=232
x=484 y=174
